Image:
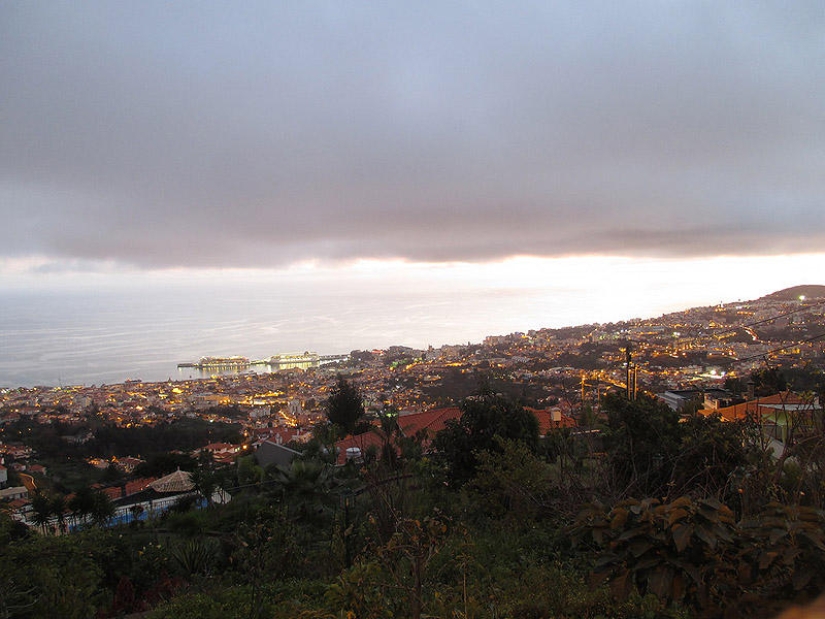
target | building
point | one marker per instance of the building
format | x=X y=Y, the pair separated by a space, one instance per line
x=420 y=426
x=678 y=399
x=17 y=492
x=222 y=453
x=271 y=453
x=159 y=495
x=552 y=419
x=783 y=417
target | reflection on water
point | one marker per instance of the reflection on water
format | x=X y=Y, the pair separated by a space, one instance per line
x=70 y=338
x=190 y=373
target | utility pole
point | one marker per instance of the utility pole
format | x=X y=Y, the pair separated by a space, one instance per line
x=630 y=372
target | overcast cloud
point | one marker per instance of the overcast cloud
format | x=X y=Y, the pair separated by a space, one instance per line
x=165 y=134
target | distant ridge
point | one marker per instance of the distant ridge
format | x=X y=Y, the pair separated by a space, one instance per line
x=792 y=294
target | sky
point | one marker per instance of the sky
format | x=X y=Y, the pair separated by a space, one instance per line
x=414 y=145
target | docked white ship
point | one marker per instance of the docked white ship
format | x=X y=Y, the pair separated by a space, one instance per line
x=310 y=358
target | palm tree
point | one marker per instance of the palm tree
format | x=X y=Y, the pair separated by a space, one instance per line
x=58 y=509
x=82 y=504
x=306 y=486
x=103 y=509
x=205 y=483
x=41 y=510
x=136 y=511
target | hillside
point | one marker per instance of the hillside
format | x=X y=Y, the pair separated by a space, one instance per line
x=791 y=294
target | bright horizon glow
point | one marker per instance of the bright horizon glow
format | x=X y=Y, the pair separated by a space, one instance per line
x=112 y=324
x=612 y=287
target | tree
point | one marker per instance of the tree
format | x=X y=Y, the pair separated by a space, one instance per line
x=391 y=439
x=82 y=504
x=58 y=509
x=387 y=474
x=514 y=485
x=306 y=487
x=768 y=381
x=162 y=464
x=345 y=406
x=765 y=381
x=103 y=509
x=11 y=530
x=693 y=552
x=249 y=473
x=643 y=442
x=204 y=477
x=485 y=419
x=111 y=474
x=408 y=553
x=711 y=451
x=397 y=580
x=41 y=510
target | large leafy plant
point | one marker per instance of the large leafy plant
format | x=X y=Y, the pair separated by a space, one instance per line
x=693 y=553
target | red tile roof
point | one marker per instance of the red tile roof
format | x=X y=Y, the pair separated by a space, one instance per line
x=546 y=423
x=131 y=487
x=763 y=406
x=431 y=421
x=285 y=434
x=371 y=438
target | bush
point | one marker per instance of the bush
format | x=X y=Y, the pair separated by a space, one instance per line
x=692 y=552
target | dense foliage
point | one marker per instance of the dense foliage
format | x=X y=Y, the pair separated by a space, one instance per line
x=345 y=407
x=655 y=515
x=97 y=438
x=485 y=418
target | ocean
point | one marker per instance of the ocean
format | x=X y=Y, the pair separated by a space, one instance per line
x=87 y=328
x=91 y=338
x=84 y=333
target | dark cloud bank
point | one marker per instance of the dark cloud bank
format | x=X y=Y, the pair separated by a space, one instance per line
x=163 y=134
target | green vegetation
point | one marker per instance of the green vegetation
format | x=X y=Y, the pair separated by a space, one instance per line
x=345 y=407
x=485 y=419
x=67 y=460
x=50 y=440
x=653 y=516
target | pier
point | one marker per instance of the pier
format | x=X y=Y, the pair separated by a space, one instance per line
x=309 y=358
x=305 y=359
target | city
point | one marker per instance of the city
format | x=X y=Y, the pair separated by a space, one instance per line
x=212 y=443
x=529 y=251
x=564 y=368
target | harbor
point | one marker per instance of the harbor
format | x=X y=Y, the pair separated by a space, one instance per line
x=278 y=361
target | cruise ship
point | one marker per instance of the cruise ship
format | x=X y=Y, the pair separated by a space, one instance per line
x=280 y=361
x=217 y=362
x=289 y=358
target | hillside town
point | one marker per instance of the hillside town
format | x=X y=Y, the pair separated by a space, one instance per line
x=690 y=435
x=696 y=348
x=680 y=356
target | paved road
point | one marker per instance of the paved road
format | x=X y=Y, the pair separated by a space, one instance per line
x=29 y=482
